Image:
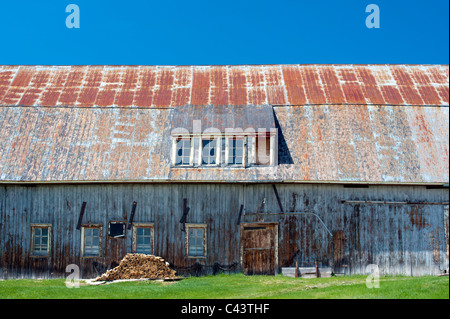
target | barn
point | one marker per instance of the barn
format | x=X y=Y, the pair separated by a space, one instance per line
x=248 y=168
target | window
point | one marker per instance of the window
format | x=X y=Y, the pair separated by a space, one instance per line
x=263 y=150
x=143 y=239
x=209 y=152
x=196 y=240
x=236 y=156
x=183 y=151
x=116 y=229
x=235 y=149
x=91 y=240
x=40 y=241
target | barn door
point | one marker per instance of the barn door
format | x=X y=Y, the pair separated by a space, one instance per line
x=259 y=248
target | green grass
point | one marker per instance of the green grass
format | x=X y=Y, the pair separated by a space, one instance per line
x=235 y=287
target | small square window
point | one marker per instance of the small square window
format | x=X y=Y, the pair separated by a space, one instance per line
x=116 y=229
x=40 y=243
x=196 y=240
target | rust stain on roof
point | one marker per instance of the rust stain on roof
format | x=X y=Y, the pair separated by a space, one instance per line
x=329 y=143
x=171 y=86
x=341 y=123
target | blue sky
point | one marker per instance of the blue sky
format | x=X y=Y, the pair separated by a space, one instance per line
x=212 y=32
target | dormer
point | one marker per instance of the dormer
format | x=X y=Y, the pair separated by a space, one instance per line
x=224 y=136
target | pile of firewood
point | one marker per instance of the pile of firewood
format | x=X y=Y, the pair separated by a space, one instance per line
x=138 y=266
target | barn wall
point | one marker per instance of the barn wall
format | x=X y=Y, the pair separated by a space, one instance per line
x=400 y=239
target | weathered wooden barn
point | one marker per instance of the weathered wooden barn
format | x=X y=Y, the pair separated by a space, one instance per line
x=224 y=168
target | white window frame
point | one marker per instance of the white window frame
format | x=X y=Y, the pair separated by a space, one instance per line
x=83 y=236
x=49 y=237
x=151 y=226
x=187 y=244
x=176 y=157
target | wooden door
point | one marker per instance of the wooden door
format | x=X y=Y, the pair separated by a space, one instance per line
x=259 y=248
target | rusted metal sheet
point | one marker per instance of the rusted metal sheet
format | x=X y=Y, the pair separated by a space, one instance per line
x=408 y=239
x=327 y=143
x=172 y=86
x=105 y=127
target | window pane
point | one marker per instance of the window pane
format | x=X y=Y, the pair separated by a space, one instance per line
x=183 y=151
x=91 y=241
x=209 y=152
x=144 y=241
x=196 y=242
x=44 y=231
x=236 y=151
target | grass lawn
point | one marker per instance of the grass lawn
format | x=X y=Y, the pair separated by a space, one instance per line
x=235 y=286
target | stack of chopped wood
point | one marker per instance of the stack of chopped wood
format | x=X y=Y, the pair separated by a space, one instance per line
x=137 y=266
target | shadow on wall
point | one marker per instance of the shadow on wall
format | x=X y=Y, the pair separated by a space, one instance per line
x=284 y=155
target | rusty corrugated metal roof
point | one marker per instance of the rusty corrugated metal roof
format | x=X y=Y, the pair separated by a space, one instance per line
x=171 y=86
x=223 y=118
x=333 y=143
x=369 y=124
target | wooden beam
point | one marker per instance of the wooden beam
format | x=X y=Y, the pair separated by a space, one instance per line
x=133 y=210
x=185 y=213
x=240 y=214
x=278 y=197
x=80 y=218
x=374 y=202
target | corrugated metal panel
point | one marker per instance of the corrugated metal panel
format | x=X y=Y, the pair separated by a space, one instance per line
x=224 y=117
x=171 y=86
x=327 y=143
x=400 y=239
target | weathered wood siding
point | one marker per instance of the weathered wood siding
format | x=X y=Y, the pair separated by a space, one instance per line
x=400 y=239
